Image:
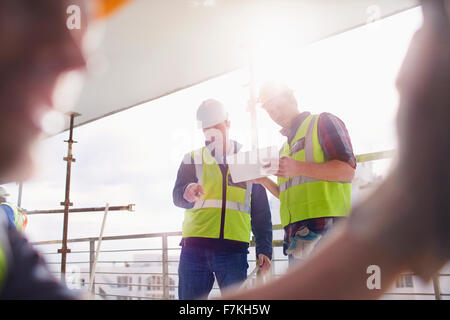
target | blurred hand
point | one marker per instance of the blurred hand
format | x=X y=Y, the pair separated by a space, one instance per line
x=424 y=116
x=264 y=263
x=193 y=192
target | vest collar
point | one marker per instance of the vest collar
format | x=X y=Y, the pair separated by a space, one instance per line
x=232 y=148
x=291 y=131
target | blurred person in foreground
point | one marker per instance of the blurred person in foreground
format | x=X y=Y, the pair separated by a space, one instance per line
x=405 y=224
x=37 y=48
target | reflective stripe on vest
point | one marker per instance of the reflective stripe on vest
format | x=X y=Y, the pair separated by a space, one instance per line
x=304 y=197
x=210 y=203
x=295 y=181
x=243 y=207
x=204 y=219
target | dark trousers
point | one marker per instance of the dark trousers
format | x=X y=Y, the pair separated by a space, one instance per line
x=199 y=267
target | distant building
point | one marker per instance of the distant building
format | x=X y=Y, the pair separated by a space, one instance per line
x=134 y=280
x=411 y=287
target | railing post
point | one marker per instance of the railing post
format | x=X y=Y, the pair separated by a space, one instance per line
x=165 y=267
x=91 y=263
x=436 y=287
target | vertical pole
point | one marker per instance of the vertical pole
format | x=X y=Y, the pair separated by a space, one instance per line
x=19 y=197
x=91 y=265
x=165 y=266
x=436 y=287
x=97 y=252
x=252 y=105
x=254 y=128
x=64 y=250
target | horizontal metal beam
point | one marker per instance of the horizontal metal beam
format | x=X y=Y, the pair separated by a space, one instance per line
x=84 y=210
x=375 y=156
x=126 y=237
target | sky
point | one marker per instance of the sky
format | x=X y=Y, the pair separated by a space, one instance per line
x=132 y=157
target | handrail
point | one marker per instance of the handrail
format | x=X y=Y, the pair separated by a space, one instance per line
x=122 y=237
x=372 y=156
x=166 y=286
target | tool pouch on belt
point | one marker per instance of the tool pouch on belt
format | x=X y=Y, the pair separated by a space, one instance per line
x=303 y=242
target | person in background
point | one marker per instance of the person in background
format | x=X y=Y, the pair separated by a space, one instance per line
x=16 y=216
x=220 y=214
x=315 y=171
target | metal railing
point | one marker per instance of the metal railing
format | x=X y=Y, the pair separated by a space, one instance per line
x=167 y=287
x=90 y=252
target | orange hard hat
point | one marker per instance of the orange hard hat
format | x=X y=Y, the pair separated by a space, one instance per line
x=104 y=8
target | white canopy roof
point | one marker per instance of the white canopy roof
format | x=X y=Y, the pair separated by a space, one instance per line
x=154 y=48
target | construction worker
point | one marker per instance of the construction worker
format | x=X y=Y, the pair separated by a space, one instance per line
x=315 y=171
x=16 y=216
x=220 y=214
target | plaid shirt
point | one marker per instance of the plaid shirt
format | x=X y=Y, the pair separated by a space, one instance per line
x=336 y=145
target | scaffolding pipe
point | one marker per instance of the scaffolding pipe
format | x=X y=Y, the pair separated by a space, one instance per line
x=19 y=196
x=91 y=282
x=64 y=250
x=252 y=104
x=84 y=210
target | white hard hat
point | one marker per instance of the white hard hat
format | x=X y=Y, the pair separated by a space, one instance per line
x=270 y=90
x=210 y=113
x=4 y=193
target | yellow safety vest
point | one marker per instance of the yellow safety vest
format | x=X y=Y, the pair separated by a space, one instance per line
x=205 y=218
x=3 y=265
x=3 y=255
x=303 y=198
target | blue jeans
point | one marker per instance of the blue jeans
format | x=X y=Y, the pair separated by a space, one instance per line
x=198 y=266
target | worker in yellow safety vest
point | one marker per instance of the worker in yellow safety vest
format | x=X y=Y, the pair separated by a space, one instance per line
x=314 y=170
x=219 y=213
x=3 y=260
x=16 y=215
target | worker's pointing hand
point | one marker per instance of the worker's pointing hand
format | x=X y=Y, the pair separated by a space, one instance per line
x=193 y=192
